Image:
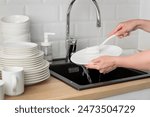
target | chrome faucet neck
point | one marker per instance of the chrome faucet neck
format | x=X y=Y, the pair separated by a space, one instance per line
x=68 y=37
x=68 y=20
x=98 y=14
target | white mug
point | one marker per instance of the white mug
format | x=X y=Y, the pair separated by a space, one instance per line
x=14 y=80
x=2 y=90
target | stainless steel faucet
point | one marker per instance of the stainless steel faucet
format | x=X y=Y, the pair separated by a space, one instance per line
x=71 y=42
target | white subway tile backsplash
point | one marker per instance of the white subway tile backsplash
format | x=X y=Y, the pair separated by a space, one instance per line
x=144 y=41
x=119 y=1
x=125 y=12
x=37 y=34
x=78 y=12
x=94 y=41
x=65 y=2
x=24 y=1
x=43 y=13
x=108 y=27
x=50 y=16
x=51 y=1
x=6 y=10
x=144 y=2
x=144 y=7
x=56 y=49
x=108 y=1
x=62 y=12
x=134 y=1
x=82 y=43
x=144 y=37
x=107 y=12
x=2 y=2
x=130 y=42
x=61 y=33
x=87 y=29
x=53 y=27
x=62 y=49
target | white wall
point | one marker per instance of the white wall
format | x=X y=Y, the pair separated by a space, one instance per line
x=144 y=37
x=50 y=16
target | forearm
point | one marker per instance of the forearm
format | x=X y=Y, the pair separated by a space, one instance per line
x=143 y=25
x=139 y=61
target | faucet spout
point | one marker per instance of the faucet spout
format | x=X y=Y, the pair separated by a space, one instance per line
x=70 y=42
x=68 y=20
x=98 y=14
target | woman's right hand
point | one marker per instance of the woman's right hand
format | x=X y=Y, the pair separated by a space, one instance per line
x=124 y=28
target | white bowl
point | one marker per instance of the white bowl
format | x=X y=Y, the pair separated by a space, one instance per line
x=17 y=19
x=15 y=24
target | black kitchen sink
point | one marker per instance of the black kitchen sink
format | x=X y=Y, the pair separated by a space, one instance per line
x=74 y=76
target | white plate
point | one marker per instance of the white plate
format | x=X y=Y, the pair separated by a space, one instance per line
x=22 y=62
x=37 y=81
x=28 y=60
x=44 y=66
x=31 y=78
x=84 y=56
x=38 y=74
x=40 y=64
x=2 y=55
x=19 y=45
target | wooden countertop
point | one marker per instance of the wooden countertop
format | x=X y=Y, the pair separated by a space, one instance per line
x=55 y=89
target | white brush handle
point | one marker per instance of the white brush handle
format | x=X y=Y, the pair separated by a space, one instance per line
x=107 y=40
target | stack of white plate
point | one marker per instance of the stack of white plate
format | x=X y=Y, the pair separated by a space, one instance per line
x=19 y=49
x=26 y=55
x=15 y=28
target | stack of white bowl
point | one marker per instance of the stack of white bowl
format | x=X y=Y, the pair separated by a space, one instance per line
x=26 y=55
x=15 y=28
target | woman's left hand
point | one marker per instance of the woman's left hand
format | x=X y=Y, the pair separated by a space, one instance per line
x=104 y=64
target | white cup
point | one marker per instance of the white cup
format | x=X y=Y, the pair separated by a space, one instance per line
x=2 y=90
x=14 y=80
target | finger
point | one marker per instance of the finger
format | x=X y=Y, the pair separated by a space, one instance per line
x=92 y=66
x=109 y=69
x=99 y=59
x=126 y=34
x=120 y=37
x=104 y=71
x=101 y=71
x=121 y=32
x=96 y=60
x=119 y=27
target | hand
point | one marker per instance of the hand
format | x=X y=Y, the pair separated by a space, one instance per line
x=124 y=28
x=104 y=64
